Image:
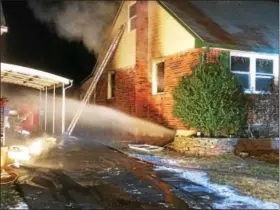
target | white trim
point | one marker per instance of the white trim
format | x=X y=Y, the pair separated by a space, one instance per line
x=128 y=15
x=4 y=29
x=40 y=107
x=244 y=52
x=46 y=108
x=154 y=76
x=53 y=125
x=44 y=78
x=63 y=110
x=253 y=56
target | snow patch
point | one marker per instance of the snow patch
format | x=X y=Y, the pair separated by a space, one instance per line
x=156 y=160
x=231 y=198
x=20 y=206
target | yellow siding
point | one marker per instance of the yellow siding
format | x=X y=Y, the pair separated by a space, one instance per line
x=126 y=51
x=166 y=35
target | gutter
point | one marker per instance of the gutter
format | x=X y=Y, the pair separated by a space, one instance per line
x=71 y=84
x=240 y=48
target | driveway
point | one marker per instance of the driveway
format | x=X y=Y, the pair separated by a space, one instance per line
x=94 y=176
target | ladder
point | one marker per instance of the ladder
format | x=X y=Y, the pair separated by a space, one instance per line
x=99 y=70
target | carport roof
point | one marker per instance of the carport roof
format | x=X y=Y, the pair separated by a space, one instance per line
x=29 y=77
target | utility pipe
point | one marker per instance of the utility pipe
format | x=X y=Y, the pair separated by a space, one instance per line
x=46 y=106
x=53 y=128
x=63 y=106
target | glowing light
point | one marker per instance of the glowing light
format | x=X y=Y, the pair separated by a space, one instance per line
x=36 y=147
x=16 y=164
x=18 y=153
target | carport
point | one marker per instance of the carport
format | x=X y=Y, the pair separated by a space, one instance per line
x=44 y=82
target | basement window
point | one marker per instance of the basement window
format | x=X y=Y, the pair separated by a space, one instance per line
x=256 y=72
x=132 y=17
x=158 y=78
x=111 y=85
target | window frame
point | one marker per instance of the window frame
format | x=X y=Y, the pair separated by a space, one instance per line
x=109 y=85
x=131 y=18
x=253 y=56
x=154 y=77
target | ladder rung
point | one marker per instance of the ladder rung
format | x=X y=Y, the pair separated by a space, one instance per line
x=95 y=79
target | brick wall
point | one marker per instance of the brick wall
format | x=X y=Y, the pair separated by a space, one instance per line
x=124 y=99
x=134 y=87
x=141 y=78
x=176 y=66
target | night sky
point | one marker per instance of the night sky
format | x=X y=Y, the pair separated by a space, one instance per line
x=33 y=44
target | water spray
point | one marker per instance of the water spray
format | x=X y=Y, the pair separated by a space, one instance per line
x=96 y=77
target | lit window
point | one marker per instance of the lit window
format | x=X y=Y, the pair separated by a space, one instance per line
x=132 y=17
x=111 y=85
x=158 y=78
x=255 y=72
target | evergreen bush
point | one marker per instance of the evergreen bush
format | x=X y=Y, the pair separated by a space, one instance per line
x=211 y=99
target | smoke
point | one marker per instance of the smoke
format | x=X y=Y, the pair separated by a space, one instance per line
x=79 y=20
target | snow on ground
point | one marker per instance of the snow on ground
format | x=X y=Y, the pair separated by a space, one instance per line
x=20 y=206
x=156 y=160
x=230 y=197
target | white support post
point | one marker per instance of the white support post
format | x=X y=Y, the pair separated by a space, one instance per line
x=40 y=107
x=63 y=110
x=53 y=108
x=46 y=108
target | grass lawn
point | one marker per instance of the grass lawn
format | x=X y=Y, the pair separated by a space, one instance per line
x=9 y=196
x=249 y=176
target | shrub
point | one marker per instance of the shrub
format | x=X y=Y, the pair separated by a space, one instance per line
x=211 y=100
x=9 y=197
x=265 y=113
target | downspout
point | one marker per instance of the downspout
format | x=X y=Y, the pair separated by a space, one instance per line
x=63 y=105
x=71 y=84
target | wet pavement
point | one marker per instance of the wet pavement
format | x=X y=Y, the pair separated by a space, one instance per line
x=95 y=177
x=92 y=176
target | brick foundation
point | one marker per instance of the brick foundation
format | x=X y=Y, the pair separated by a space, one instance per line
x=220 y=146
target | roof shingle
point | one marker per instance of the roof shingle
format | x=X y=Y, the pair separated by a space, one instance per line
x=251 y=25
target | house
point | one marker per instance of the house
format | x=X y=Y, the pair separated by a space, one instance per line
x=163 y=40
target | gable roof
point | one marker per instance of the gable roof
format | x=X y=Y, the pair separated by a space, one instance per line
x=243 y=25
